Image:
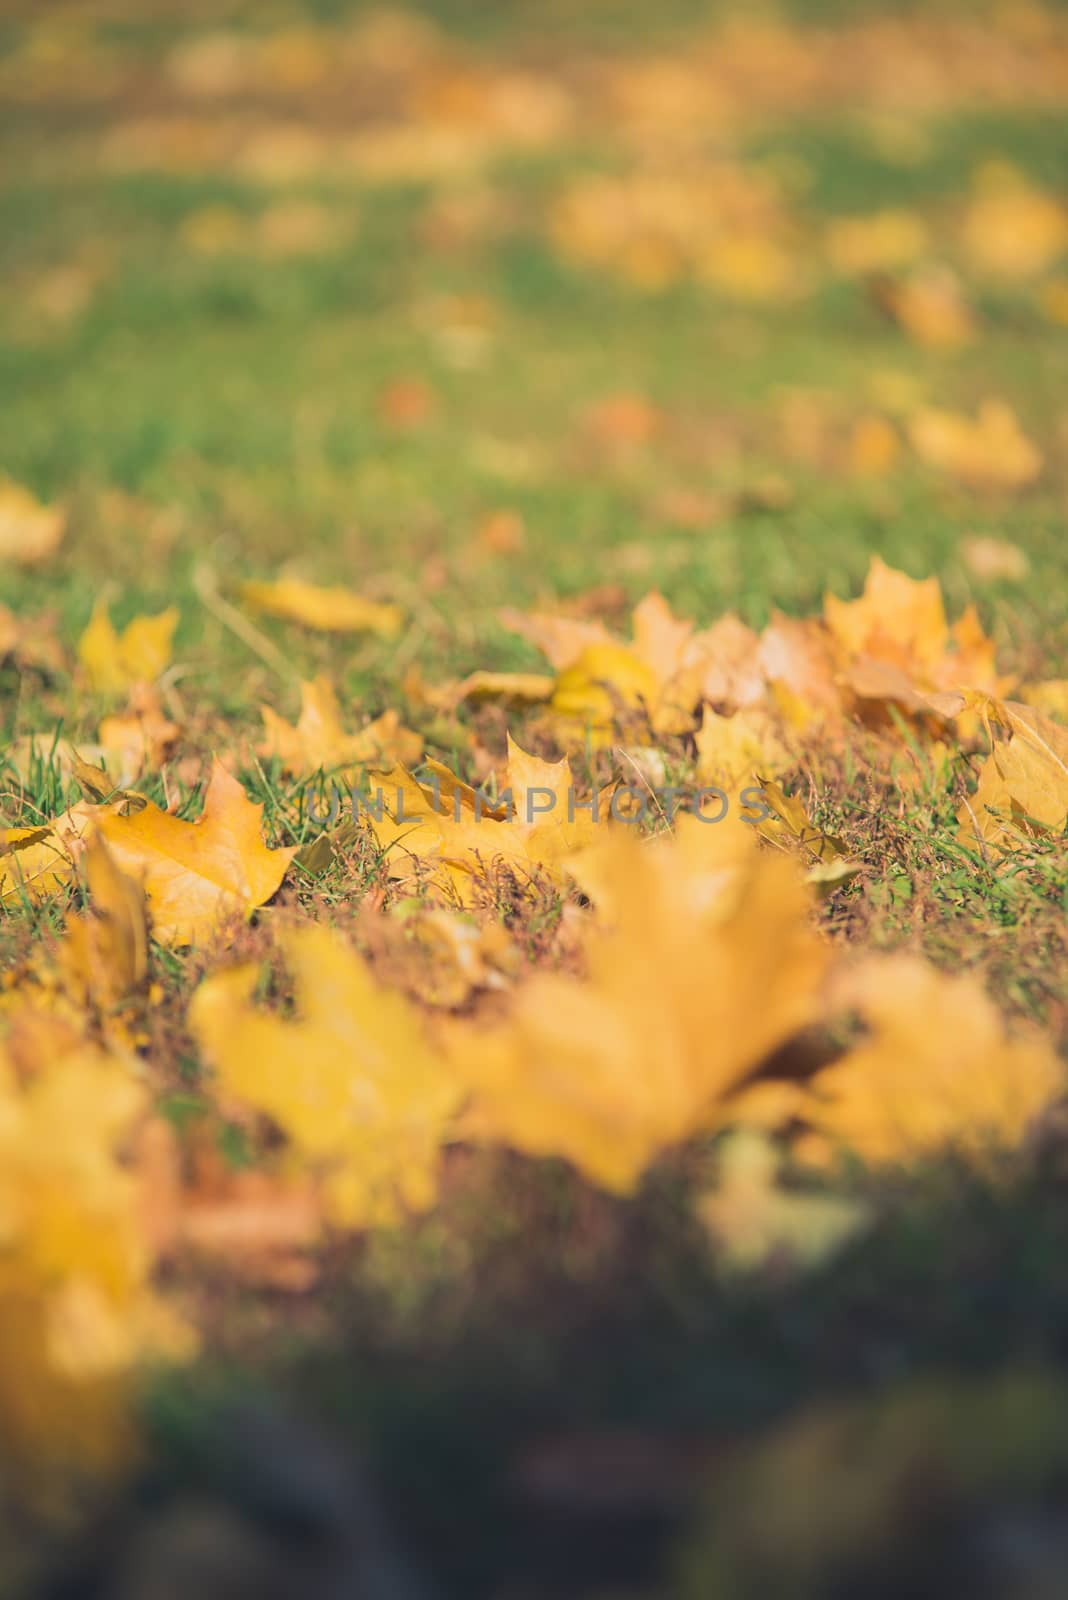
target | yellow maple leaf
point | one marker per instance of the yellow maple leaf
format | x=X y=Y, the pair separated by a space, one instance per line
x=76 y=1306
x=457 y=956
x=937 y=1069
x=36 y=861
x=895 y=643
x=196 y=874
x=705 y=859
x=353 y=1082
x=92 y=981
x=318 y=740
x=104 y=957
x=875 y=243
x=597 y=690
x=797 y=659
x=787 y=826
x=874 y=446
x=139 y=737
x=990 y=450
x=995 y=560
x=458 y=836
x=928 y=305
x=29 y=532
x=1023 y=783
x=662 y=674
x=560 y=639
x=754 y=1220
x=691 y=985
x=510 y=688
x=1050 y=697
x=1012 y=229
x=732 y=750
x=114 y=662
x=897 y=617
x=328 y=610
x=753 y=266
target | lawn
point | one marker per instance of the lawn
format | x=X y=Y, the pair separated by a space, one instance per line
x=703 y=1231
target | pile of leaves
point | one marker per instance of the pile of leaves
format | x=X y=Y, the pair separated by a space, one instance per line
x=574 y=958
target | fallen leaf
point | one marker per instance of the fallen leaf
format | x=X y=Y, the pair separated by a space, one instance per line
x=896 y=644
x=995 y=560
x=30 y=532
x=796 y=658
x=561 y=639
x=661 y=676
x=756 y=1222
x=36 y=861
x=318 y=741
x=509 y=688
x=195 y=874
x=937 y=1069
x=1023 y=783
x=104 y=956
x=788 y=827
x=1050 y=697
x=453 y=836
x=364 y=1100
x=1012 y=229
x=76 y=1307
x=139 y=738
x=326 y=610
x=113 y=663
x=30 y=642
x=681 y=1004
x=928 y=305
x=874 y=446
x=599 y=688
x=732 y=750
x=458 y=957
x=991 y=451
x=876 y=243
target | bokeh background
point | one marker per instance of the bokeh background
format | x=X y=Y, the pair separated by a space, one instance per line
x=676 y=289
